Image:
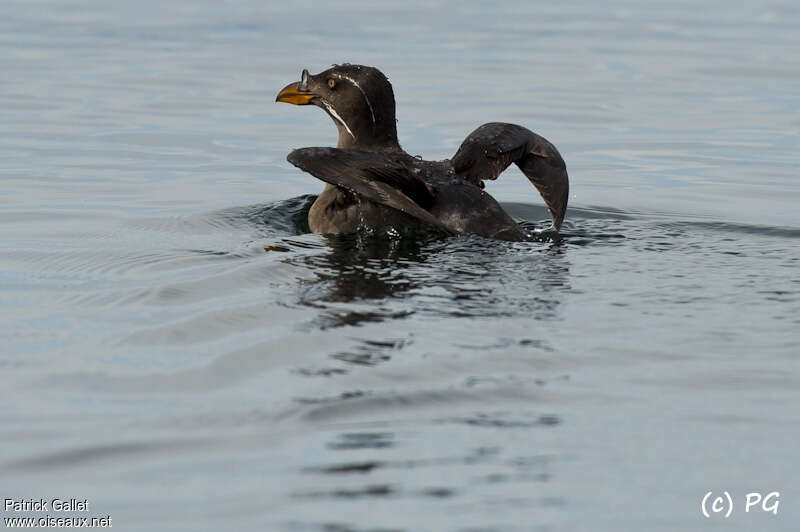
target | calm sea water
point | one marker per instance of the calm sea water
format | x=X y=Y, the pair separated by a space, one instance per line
x=181 y=353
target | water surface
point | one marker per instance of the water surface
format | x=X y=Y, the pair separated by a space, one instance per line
x=181 y=352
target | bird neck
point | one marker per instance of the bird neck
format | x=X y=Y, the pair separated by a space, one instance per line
x=363 y=135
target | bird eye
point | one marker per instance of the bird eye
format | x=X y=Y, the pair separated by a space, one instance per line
x=331 y=83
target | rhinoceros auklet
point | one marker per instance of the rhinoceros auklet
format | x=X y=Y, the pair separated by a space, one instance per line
x=371 y=181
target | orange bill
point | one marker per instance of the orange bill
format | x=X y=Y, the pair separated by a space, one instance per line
x=292 y=94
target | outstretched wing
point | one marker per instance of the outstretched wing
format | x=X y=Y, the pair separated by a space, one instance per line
x=372 y=176
x=491 y=148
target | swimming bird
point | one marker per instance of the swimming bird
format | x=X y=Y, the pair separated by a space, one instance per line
x=371 y=181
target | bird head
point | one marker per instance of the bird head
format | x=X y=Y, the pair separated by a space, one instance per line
x=358 y=98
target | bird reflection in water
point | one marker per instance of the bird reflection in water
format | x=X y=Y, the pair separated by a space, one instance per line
x=364 y=276
x=382 y=274
x=389 y=275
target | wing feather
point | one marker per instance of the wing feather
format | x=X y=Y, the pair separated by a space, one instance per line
x=491 y=148
x=373 y=176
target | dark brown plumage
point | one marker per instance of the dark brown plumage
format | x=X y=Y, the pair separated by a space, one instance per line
x=371 y=181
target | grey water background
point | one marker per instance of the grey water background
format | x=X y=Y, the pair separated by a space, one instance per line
x=178 y=350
